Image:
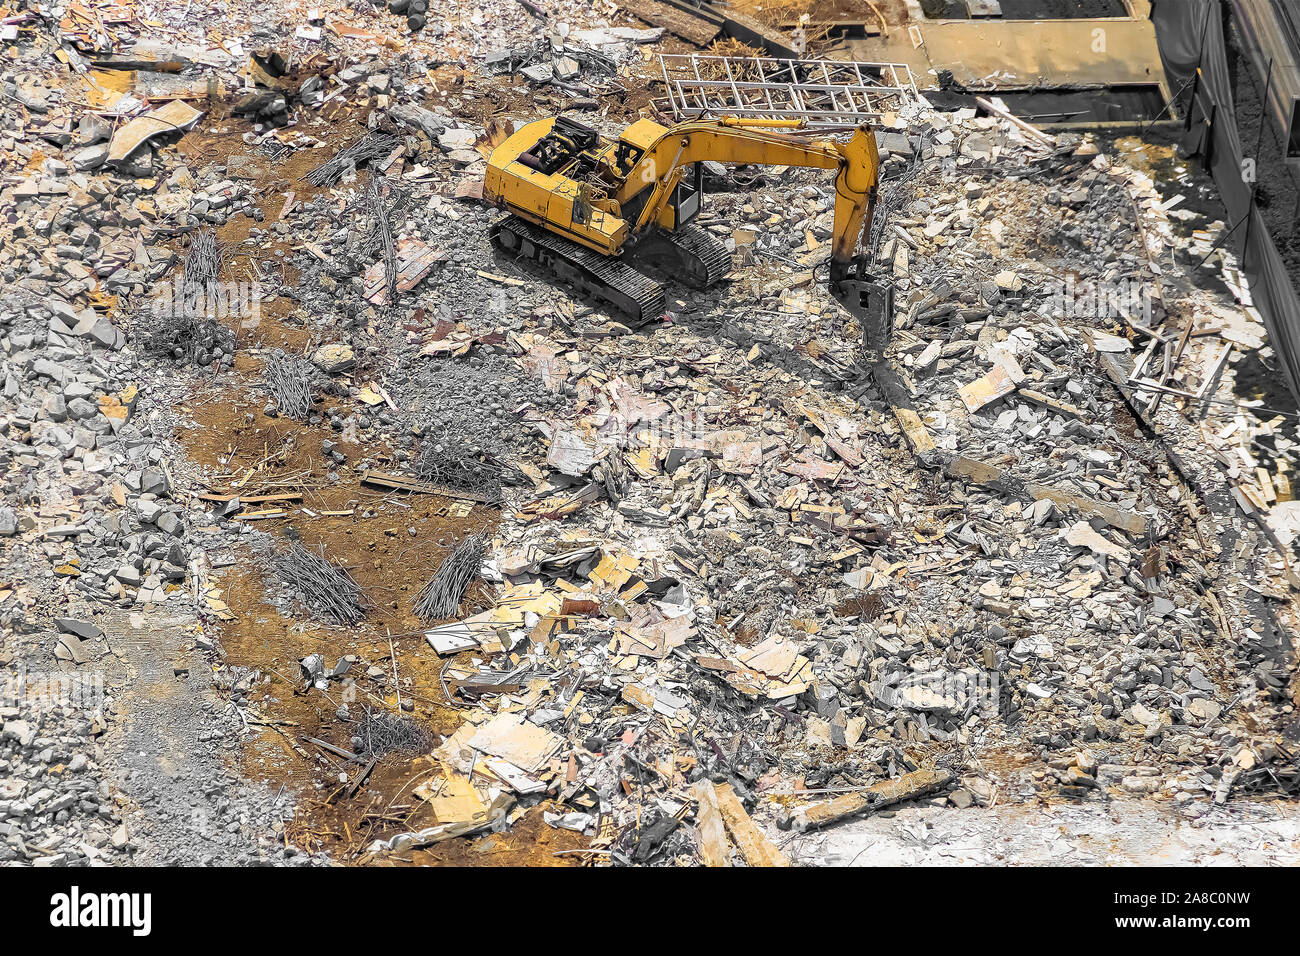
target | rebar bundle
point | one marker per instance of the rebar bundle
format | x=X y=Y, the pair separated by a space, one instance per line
x=203 y=261
x=372 y=146
x=385 y=231
x=182 y=336
x=441 y=596
x=292 y=382
x=380 y=733
x=325 y=588
x=180 y=324
x=449 y=462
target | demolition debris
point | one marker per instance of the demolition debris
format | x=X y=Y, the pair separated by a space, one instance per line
x=473 y=568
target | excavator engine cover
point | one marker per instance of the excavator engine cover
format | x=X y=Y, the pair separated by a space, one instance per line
x=566 y=140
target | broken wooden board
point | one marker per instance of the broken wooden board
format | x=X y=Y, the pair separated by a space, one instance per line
x=999 y=383
x=914 y=430
x=251 y=499
x=693 y=28
x=900 y=403
x=754 y=845
x=175 y=116
x=452 y=798
x=1051 y=404
x=993 y=477
x=414 y=260
x=709 y=827
x=518 y=781
x=377 y=479
x=909 y=786
x=656 y=639
x=563 y=503
x=1127 y=521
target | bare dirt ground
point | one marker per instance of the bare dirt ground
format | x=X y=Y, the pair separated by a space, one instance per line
x=170 y=756
x=378 y=537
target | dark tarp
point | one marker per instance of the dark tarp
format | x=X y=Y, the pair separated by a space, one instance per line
x=1190 y=35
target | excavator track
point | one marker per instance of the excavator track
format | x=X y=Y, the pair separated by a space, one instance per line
x=688 y=253
x=705 y=260
x=608 y=280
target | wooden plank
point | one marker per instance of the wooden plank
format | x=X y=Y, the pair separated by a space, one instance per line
x=691 y=28
x=998 y=383
x=754 y=845
x=1050 y=403
x=260 y=515
x=972 y=469
x=714 y=848
x=378 y=479
x=1215 y=370
x=909 y=786
x=355 y=784
x=914 y=430
x=900 y=403
x=252 y=499
x=1016 y=121
x=1126 y=521
x=982 y=473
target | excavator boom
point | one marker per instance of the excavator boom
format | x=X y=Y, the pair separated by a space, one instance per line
x=663 y=164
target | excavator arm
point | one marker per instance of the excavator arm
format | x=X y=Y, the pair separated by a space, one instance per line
x=661 y=167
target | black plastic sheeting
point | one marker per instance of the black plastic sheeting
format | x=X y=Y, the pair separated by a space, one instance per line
x=1190 y=35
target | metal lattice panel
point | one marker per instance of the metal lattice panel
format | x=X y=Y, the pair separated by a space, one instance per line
x=823 y=92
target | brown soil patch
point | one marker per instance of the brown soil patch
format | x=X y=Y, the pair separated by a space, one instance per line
x=277 y=329
x=390 y=544
x=275 y=182
x=387 y=806
x=227 y=442
x=779 y=12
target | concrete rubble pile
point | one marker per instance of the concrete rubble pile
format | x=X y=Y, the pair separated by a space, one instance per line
x=733 y=585
x=819 y=627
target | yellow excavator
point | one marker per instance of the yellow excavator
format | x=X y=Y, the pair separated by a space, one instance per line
x=590 y=209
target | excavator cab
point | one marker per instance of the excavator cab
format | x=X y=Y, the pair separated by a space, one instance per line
x=685 y=201
x=626 y=156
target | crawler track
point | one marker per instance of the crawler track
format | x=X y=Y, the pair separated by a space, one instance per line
x=688 y=254
x=611 y=281
x=705 y=260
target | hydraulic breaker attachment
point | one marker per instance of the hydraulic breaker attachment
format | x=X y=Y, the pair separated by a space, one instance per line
x=870 y=302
